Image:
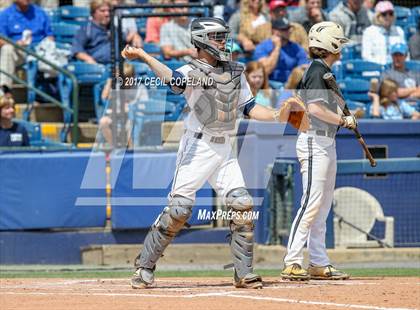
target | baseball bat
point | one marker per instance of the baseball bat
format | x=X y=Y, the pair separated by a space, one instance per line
x=330 y=80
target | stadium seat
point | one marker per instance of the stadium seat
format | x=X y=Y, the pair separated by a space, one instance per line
x=140 y=68
x=413 y=65
x=74 y=14
x=355 y=89
x=85 y=74
x=35 y=135
x=415 y=12
x=53 y=14
x=352 y=51
x=64 y=32
x=33 y=129
x=88 y=73
x=150 y=111
x=141 y=26
x=276 y=85
x=174 y=64
x=403 y=15
x=361 y=69
x=409 y=30
x=151 y=48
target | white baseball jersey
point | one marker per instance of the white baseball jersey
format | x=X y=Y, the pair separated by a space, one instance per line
x=200 y=160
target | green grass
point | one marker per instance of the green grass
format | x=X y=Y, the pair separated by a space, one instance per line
x=380 y=272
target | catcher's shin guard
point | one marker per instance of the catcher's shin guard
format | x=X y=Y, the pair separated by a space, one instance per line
x=242 y=237
x=165 y=228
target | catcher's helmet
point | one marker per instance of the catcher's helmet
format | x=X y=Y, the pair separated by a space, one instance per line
x=204 y=29
x=328 y=36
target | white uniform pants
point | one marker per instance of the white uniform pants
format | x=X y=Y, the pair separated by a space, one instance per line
x=200 y=160
x=317 y=156
x=10 y=58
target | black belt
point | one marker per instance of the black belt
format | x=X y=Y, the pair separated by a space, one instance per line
x=322 y=133
x=219 y=140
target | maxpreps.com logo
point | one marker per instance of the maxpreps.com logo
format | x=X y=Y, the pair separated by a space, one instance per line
x=227 y=215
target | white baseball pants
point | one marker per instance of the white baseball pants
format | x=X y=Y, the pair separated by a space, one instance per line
x=318 y=160
x=200 y=160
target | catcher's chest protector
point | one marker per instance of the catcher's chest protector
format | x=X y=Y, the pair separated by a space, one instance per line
x=217 y=106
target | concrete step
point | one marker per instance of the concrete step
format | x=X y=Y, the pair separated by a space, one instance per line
x=87 y=132
x=47 y=112
x=41 y=113
x=219 y=254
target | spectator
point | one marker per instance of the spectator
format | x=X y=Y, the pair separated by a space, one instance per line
x=369 y=5
x=415 y=44
x=309 y=15
x=386 y=105
x=258 y=81
x=129 y=27
x=278 y=54
x=230 y=8
x=250 y=25
x=105 y=123
x=379 y=37
x=297 y=32
x=175 y=39
x=26 y=24
x=408 y=81
x=92 y=43
x=11 y=133
x=154 y=24
x=353 y=17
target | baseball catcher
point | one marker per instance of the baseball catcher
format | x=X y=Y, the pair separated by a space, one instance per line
x=217 y=93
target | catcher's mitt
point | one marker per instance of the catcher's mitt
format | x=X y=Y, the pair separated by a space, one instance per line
x=294 y=111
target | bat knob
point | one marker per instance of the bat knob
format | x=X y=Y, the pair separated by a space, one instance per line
x=327 y=76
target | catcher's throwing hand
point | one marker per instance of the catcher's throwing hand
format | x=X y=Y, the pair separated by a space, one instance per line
x=293 y=111
x=349 y=122
x=130 y=53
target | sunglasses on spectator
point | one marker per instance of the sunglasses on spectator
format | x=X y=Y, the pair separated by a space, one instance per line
x=389 y=13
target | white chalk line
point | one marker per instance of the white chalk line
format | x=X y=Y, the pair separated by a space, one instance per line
x=232 y=294
x=91 y=285
x=319 y=303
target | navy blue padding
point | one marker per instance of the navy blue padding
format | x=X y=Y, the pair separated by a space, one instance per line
x=40 y=190
x=142 y=177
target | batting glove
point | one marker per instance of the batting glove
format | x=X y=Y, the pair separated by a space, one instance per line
x=349 y=122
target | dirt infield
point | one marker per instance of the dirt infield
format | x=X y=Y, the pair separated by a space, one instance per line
x=209 y=293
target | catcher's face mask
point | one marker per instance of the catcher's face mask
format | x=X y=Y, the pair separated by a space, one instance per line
x=221 y=42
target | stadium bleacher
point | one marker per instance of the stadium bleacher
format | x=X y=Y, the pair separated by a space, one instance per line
x=67 y=19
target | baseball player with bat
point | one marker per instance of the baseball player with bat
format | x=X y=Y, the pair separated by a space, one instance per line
x=317 y=155
x=219 y=95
